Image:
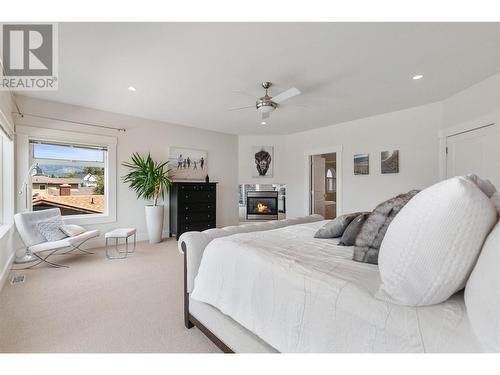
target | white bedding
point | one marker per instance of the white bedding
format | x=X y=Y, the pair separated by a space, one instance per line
x=302 y=294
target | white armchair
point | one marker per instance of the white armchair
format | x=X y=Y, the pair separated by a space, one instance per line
x=36 y=244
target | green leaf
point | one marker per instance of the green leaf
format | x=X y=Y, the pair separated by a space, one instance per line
x=147 y=178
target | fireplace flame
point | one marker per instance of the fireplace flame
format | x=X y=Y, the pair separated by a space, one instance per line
x=262 y=208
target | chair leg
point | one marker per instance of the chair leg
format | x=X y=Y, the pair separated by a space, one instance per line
x=44 y=260
x=28 y=267
x=83 y=251
x=77 y=247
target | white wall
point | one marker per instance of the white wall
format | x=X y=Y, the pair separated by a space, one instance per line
x=246 y=163
x=145 y=136
x=478 y=104
x=413 y=132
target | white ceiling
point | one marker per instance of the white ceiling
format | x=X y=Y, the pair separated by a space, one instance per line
x=187 y=73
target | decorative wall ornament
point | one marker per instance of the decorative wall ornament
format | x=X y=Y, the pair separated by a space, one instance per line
x=262 y=160
x=187 y=164
x=361 y=164
x=389 y=161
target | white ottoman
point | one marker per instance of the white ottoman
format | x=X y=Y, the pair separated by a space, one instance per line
x=117 y=234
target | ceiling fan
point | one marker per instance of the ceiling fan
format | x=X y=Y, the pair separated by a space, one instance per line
x=267 y=104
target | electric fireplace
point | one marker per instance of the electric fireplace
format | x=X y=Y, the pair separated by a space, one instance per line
x=262 y=205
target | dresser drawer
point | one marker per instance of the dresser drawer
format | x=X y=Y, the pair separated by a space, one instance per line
x=197 y=187
x=197 y=196
x=192 y=217
x=186 y=227
x=196 y=207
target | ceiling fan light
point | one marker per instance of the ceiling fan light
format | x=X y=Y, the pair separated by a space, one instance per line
x=265 y=108
x=263 y=123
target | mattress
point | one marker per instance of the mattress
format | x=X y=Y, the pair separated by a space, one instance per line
x=302 y=294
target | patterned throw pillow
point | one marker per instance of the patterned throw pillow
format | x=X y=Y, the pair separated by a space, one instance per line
x=352 y=231
x=336 y=227
x=49 y=229
x=373 y=231
x=72 y=230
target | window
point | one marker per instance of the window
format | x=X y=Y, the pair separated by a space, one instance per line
x=1 y=178
x=330 y=180
x=6 y=182
x=71 y=177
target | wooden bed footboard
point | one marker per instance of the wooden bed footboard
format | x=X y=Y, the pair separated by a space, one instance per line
x=190 y=321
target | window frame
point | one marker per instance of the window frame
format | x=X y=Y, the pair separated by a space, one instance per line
x=2 y=196
x=6 y=183
x=331 y=180
x=26 y=135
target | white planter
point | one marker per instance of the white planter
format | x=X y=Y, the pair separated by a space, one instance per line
x=154 y=222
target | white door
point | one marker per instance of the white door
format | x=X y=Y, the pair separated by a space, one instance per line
x=318 y=185
x=476 y=151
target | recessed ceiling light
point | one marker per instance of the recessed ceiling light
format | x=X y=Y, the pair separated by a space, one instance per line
x=132 y=88
x=418 y=76
x=263 y=123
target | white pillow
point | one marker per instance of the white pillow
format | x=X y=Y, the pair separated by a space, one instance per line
x=72 y=230
x=482 y=294
x=484 y=185
x=50 y=229
x=430 y=247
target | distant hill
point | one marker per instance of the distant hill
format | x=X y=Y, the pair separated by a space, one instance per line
x=60 y=170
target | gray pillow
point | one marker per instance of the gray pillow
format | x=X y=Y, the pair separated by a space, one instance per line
x=49 y=229
x=373 y=231
x=353 y=229
x=336 y=227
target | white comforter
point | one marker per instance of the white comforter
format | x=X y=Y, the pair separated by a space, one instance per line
x=302 y=294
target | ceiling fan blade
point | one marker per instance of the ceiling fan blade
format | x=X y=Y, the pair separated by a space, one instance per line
x=237 y=109
x=290 y=93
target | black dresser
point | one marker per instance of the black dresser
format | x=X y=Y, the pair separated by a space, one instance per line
x=192 y=206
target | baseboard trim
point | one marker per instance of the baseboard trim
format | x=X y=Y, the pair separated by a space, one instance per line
x=4 y=275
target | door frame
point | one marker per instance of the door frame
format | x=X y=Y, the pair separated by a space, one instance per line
x=308 y=183
x=443 y=134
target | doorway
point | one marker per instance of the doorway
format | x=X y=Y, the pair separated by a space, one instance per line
x=474 y=151
x=323 y=185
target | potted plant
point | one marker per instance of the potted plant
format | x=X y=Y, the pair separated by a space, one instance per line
x=149 y=180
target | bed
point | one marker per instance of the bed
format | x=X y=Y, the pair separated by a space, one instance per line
x=273 y=287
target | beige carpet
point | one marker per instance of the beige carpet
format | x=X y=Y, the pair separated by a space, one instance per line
x=100 y=305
